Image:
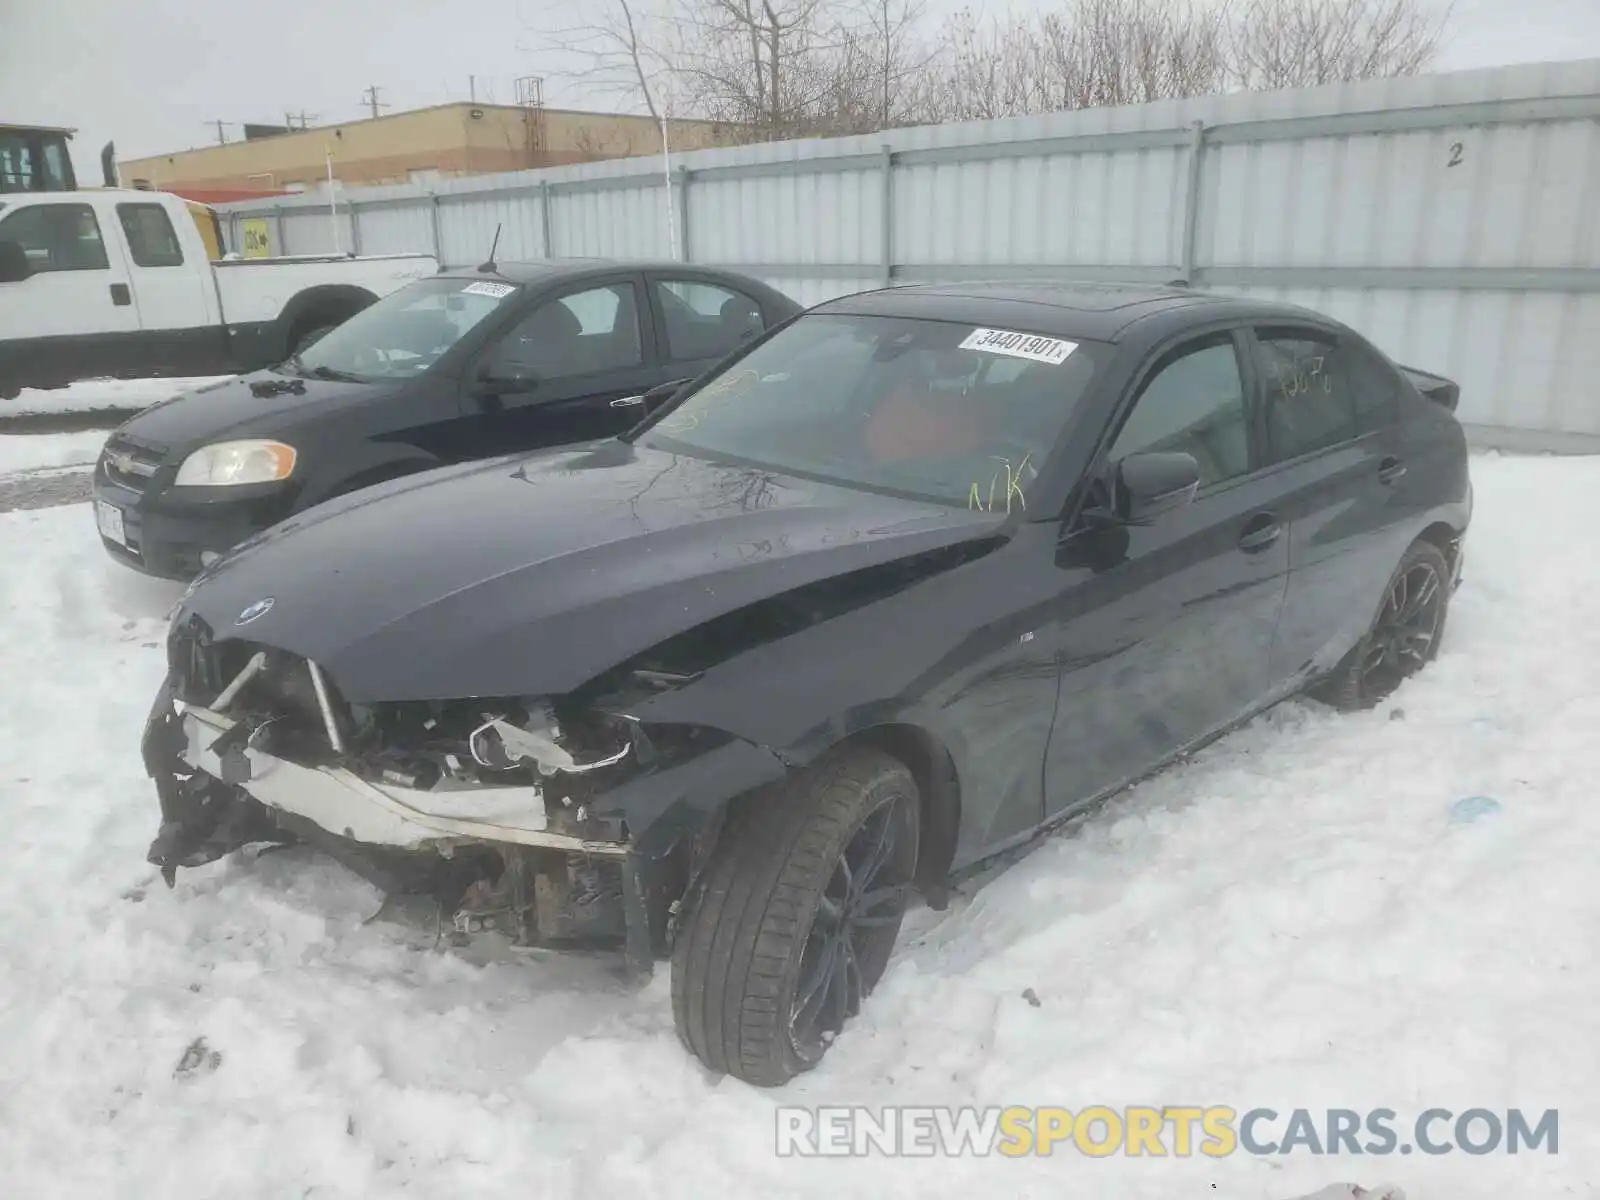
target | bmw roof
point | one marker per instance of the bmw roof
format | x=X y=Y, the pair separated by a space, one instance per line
x=1059 y=307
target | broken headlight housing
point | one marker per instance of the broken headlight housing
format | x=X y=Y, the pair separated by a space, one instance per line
x=486 y=742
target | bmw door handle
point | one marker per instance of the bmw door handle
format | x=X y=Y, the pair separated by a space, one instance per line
x=1260 y=531
x=627 y=402
x=1390 y=469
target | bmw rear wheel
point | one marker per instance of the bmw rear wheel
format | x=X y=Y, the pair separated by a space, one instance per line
x=1404 y=636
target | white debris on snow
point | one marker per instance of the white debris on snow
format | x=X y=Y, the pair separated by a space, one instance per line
x=34 y=451
x=1293 y=920
x=97 y=395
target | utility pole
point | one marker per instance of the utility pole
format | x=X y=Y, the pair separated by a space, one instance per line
x=370 y=99
x=472 y=87
x=222 y=138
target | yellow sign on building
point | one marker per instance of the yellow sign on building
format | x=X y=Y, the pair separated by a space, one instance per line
x=257 y=243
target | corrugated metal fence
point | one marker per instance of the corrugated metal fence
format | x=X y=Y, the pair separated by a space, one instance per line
x=1455 y=219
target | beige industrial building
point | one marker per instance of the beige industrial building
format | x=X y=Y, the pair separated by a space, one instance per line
x=420 y=145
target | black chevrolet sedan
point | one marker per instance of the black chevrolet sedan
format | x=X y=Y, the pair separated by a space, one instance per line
x=462 y=365
x=903 y=584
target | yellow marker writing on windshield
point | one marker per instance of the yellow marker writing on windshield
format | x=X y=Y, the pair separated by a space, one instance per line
x=1013 y=487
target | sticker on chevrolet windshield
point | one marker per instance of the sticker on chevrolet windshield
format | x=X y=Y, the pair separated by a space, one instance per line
x=496 y=290
x=1019 y=345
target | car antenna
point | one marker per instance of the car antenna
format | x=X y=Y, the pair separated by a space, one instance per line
x=495 y=245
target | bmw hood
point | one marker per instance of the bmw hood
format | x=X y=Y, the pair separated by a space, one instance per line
x=532 y=576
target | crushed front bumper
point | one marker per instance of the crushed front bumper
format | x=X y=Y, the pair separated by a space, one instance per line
x=218 y=793
x=375 y=814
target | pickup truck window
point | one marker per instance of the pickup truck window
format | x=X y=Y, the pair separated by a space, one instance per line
x=151 y=238
x=57 y=237
x=406 y=332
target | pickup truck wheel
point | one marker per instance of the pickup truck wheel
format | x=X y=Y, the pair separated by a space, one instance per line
x=1404 y=636
x=792 y=923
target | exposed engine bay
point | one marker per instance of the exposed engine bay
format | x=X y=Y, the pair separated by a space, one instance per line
x=484 y=806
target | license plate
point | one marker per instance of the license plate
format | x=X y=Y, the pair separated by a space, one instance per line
x=109 y=518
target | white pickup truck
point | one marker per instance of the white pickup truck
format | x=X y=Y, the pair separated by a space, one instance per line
x=118 y=283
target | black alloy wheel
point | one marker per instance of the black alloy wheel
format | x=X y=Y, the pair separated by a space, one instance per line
x=846 y=950
x=793 y=920
x=1404 y=635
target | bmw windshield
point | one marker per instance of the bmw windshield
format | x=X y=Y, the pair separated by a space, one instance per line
x=406 y=332
x=954 y=413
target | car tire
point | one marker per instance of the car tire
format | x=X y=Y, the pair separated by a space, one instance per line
x=1387 y=655
x=776 y=905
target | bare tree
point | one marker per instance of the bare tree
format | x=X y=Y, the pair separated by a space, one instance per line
x=985 y=70
x=1106 y=52
x=755 y=62
x=795 y=68
x=892 y=31
x=623 y=50
x=1301 y=43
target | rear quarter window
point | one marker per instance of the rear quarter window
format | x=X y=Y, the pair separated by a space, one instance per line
x=1374 y=384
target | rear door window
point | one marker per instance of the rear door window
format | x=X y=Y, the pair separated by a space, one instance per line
x=151 y=239
x=1308 y=391
x=705 y=320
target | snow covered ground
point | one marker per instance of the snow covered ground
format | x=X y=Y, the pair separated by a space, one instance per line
x=96 y=395
x=1292 y=920
x=31 y=451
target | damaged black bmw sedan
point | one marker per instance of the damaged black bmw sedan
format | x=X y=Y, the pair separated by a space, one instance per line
x=911 y=578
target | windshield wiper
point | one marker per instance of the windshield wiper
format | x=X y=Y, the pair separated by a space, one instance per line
x=335 y=376
x=291 y=366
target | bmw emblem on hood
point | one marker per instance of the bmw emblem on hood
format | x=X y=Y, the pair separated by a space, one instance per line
x=259 y=609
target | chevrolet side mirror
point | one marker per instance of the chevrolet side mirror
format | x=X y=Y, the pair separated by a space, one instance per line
x=491 y=383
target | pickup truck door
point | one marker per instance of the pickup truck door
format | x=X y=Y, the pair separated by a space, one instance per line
x=74 y=316
x=171 y=278
x=570 y=370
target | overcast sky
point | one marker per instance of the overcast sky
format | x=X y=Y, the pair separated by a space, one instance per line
x=150 y=73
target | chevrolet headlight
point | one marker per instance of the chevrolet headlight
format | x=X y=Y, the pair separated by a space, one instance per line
x=227 y=463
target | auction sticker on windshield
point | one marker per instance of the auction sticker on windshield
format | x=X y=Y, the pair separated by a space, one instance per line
x=1019 y=345
x=497 y=290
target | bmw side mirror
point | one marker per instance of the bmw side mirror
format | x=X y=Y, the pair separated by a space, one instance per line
x=14 y=264
x=1145 y=486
